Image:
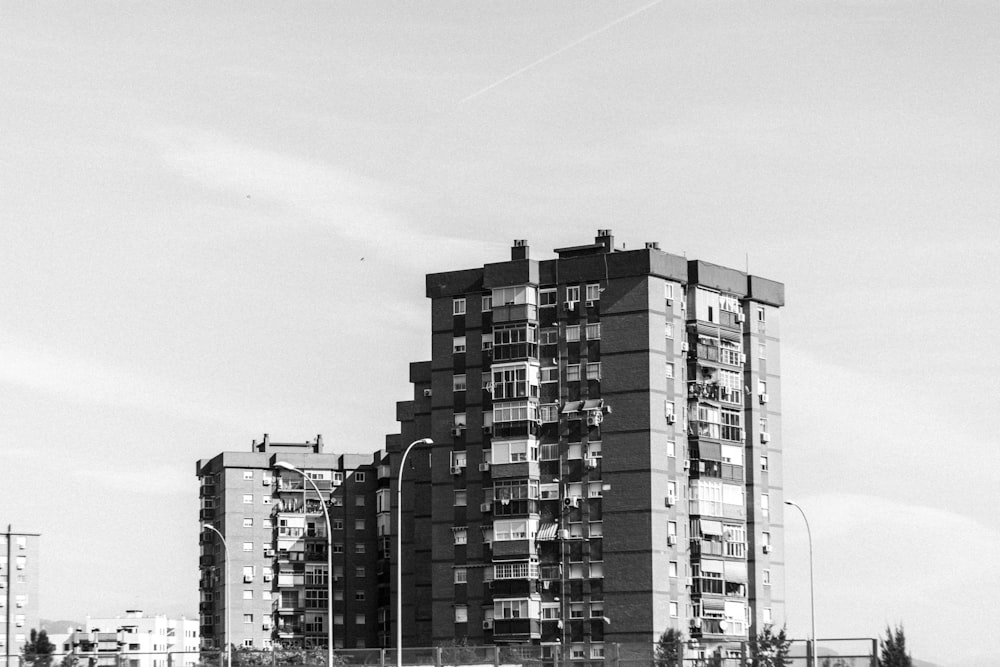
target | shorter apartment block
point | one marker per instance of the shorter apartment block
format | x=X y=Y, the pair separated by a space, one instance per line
x=18 y=591
x=273 y=518
x=135 y=640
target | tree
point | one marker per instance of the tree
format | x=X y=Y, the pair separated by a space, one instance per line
x=893 y=652
x=38 y=651
x=668 y=648
x=768 y=649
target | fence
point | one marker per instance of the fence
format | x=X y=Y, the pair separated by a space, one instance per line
x=829 y=653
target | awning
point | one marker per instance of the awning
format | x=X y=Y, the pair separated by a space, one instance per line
x=736 y=572
x=714 y=604
x=712 y=566
x=709 y=527
x=572 y=406
x=547 y=531
x=593 y=404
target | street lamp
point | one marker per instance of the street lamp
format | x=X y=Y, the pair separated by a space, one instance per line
x=229 y=597
x=399 y=549
x=284 y=465
x=812 y=597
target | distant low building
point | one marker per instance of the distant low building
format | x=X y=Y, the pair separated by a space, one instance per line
x=134 y=640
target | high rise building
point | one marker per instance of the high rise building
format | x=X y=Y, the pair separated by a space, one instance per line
x=607 y=457
x=275 y=528
x=18 y=592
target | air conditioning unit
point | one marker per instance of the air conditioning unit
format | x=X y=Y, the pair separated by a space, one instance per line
x=456 y=470
x=571 y=305
x=571 y=501
x=487 y=430
x=671 y=418
x=740 y=317
x=427 y=392
x=687 y=465
x=594 y=417
x=689 y=582
x=591 y=462
x=670 y=302
x=671 y=540
x=669 y=501
x=743 y=357
x=763 y=398
x=590 y=304
x=767 y=548
x=484 y=467
x=486 y=507
x=765 y=437
x=268 y=576
x=685 y=347
x=488 y=624
x=563 y=534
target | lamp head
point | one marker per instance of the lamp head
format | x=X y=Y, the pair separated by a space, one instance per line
x=285 y=465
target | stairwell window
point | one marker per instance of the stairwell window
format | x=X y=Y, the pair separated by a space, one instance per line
x=594 y=331
x=594 y=371
x=458 y=307
x=573 y=373
x=460 y=534
x=573 y=333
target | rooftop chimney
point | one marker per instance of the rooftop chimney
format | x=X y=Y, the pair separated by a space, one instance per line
x=520 y=250
x=652 y=245
x=605 y=239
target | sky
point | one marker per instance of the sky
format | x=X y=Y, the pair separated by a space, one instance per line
x=216 y=219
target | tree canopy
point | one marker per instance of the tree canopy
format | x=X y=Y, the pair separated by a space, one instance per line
x=893 y=653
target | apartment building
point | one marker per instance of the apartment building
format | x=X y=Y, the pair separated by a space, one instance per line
x=274 y=524
x=135 y=640
x=607 y=455
x=19 y=569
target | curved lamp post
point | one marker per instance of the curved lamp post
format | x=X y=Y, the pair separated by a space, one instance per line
x=399 y=549
x=229 y=597
x=812 y=599
x=284 y=465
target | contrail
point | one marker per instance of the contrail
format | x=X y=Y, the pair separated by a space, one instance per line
x=569 y=46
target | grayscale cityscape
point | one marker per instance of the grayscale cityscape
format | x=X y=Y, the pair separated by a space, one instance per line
x=498 y=334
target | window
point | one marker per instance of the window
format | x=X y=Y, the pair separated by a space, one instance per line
x=594 y=331
x=597 y=651
x=248 y=618
x=546 y=298
x=247 y=574
x=761 y=351
x=338 y=524
x=573 y=373
x=668 y=329
x=670 y=370
x=763 y=463
x=550 y=374
x=458 y=382
x=359 y=619
x=359 y=548
x=461 y=575
x=766 y=576
x=359 y=595
x=674 y=611
x=459 y=459
x=248 y=546
x=458 y=344
x=359 y=501
x=760 y=314
x=487 y=340
x=459 y=420
x=668 y=291
x=248 y=594
x=765 y=504
x=549 y=336
x=359 y=572
x=672 y=529
x=594 y=371
x=671 y=448
x=359 y=524
x=460 y=498
x=248 y=522
x=761 y=387
x=767 y=610
x=573 y=294
x=461 y=613
x=672 y=569
x=248 y=499
x=505 y=296
x=338 y=547
x=516 y=608
x=460 y=534
x=668 y=409
x=248 y=475
x=765 y=538
x=487 y=303
x=593 y=292
x=516 y=570
x=458 y=307
x=359 y=477
x=572 y=333
x=513 y=529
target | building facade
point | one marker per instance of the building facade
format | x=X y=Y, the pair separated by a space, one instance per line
x=275 y=528
x=135 y=640
x=607 y=457
x=19 y=569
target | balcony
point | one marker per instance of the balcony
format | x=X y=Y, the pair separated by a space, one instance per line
x=514 y=312
x=298 y=484
x=207 y=560
x=206 y=514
